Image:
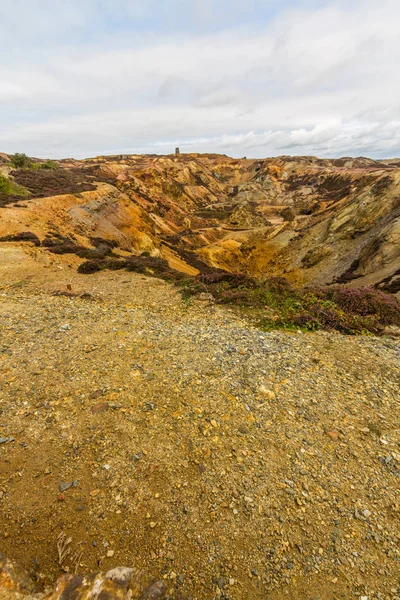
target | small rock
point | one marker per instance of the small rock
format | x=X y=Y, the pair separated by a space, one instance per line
x=110 y=553
x=99 y=408
x=204 y=297
x=65 y=485
x=121 y=575
x=221 y=582
x=334 y=435
x=266 y=392
x=96 y=394
x=153 y=524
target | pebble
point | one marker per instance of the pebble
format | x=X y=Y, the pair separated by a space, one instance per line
x=65 y=485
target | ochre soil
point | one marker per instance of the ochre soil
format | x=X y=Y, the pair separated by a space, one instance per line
x=235 y=463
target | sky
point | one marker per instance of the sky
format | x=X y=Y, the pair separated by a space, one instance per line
x=253 y=78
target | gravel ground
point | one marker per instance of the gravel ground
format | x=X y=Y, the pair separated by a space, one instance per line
x=237 y=464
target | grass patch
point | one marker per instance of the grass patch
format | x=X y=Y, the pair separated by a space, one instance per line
x=10 y=191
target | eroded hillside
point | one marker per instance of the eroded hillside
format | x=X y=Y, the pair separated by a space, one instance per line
x=313 y=221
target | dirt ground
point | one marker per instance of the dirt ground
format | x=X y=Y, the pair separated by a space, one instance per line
x=178 y=438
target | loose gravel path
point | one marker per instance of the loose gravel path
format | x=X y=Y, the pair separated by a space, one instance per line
x=237 y=464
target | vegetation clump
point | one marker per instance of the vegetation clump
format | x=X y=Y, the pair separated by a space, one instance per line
x=24 y=236
x=10 y=191
x=146 y=265
x=288 y=214
x=279 y=304
x=22 y=161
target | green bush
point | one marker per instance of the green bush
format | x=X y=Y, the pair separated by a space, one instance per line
x=20 y=161
x=49 y=164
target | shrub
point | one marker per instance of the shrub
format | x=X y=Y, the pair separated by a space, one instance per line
x=20 y=161
x=366 y=301
x=88 y=267
x=24 y=236
x=49 y=164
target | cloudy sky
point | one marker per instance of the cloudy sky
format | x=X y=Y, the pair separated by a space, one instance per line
x=242 y=77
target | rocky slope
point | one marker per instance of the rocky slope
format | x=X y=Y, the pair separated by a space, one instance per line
x=314 y=221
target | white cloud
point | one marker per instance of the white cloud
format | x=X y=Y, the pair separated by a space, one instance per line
x=316 y=80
